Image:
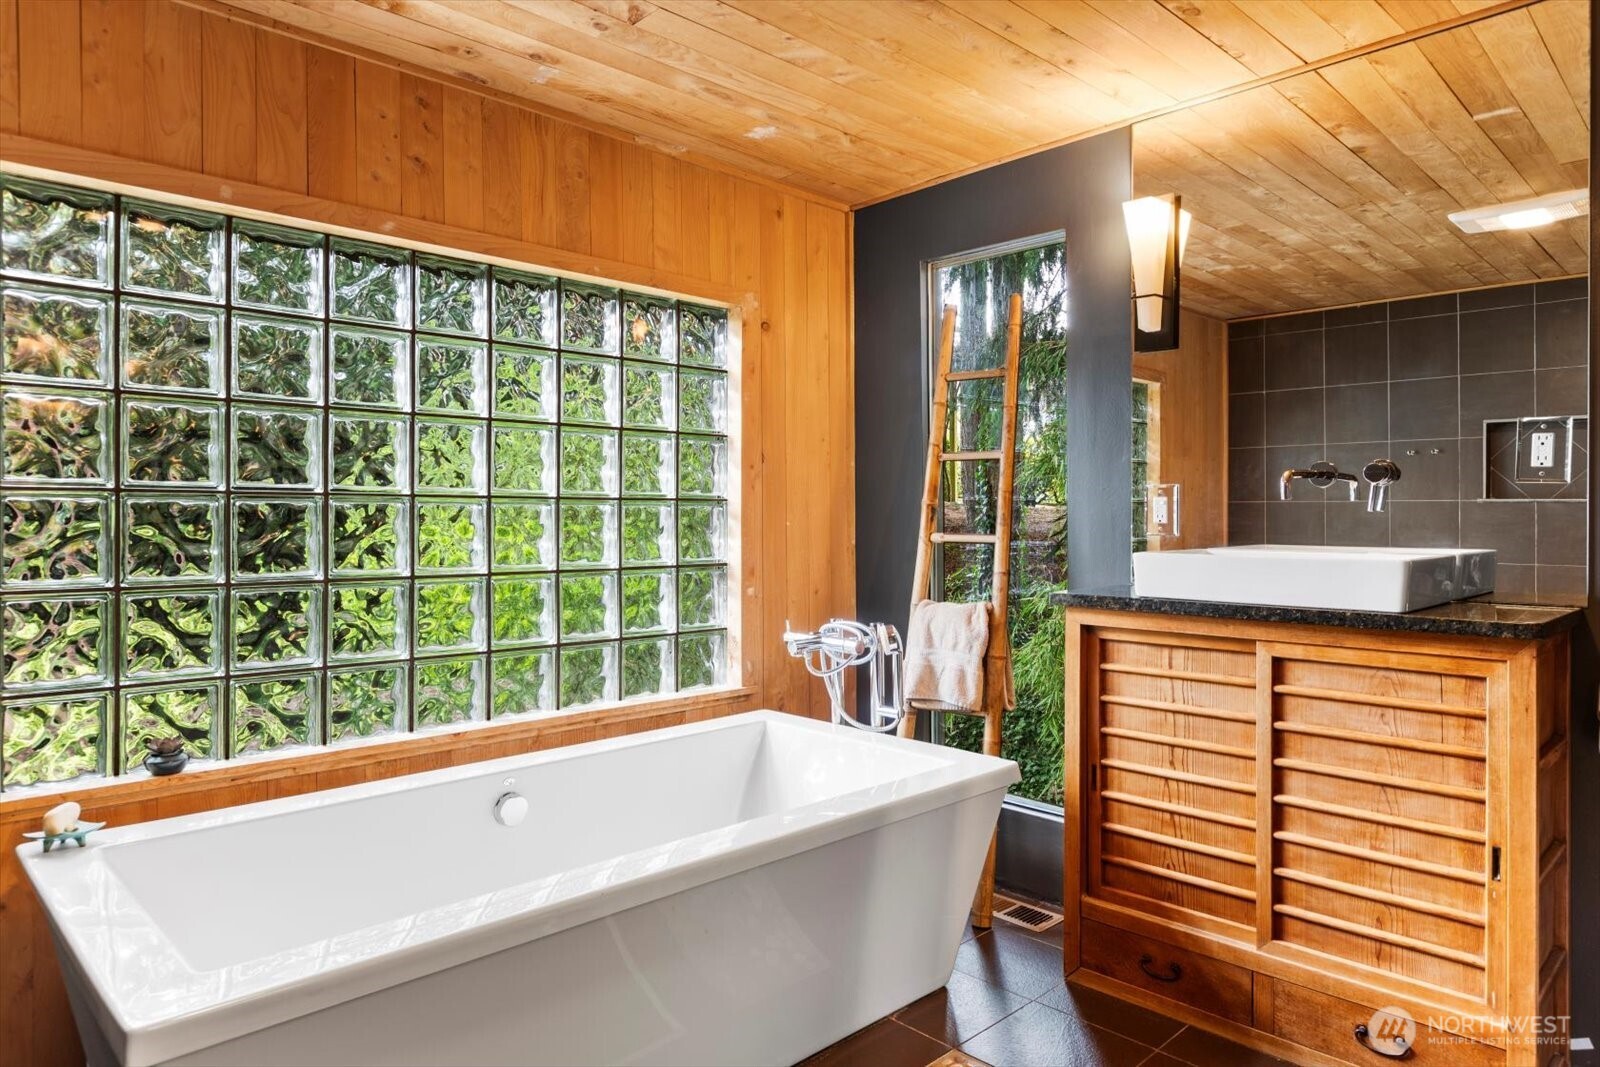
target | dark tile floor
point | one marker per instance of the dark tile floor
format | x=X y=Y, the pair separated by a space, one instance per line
x=1007 y=1006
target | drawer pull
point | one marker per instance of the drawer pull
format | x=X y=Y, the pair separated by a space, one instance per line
x=1174 y=972
x=1398 y=1048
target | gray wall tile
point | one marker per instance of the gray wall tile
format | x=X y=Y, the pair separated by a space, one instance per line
x=1562 y=289
x=1357 y=412
x=1294 y=417
x=1296 y=523
x=1427 y=407
x=1245 y=369
x=1562 y=391
x=1433 y=473
x=1562 y=533
x=1498 y=340
x=1494 y=396
x=1499 y=296
x=1423 y=348
x=1561 y=334
x=1425 y=523
x=1353 y=354
x=1502 y=525
x=1247 y=419
x=1294 y=360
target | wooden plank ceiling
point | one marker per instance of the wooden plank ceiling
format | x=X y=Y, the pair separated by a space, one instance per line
x=1332 y=187
x=853 y=100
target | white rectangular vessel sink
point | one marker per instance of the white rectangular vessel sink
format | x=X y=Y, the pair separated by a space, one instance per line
x=1349 y=579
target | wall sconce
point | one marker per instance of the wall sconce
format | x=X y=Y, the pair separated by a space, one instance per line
x=1158 y=228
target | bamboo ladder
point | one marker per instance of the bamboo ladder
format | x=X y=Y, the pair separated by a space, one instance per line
x=997 y=660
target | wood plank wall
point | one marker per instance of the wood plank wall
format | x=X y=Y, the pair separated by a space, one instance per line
x=1193 y=432
x=164 y=97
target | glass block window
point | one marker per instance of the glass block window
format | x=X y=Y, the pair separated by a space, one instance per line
x=262 y=487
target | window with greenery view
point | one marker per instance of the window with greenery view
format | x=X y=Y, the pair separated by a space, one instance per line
x=263 y=487
x=980 y=289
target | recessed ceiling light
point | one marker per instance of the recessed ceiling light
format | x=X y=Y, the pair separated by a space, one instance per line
x=1523 y=214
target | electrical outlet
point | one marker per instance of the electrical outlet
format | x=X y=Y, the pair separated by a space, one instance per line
x=1542 y=450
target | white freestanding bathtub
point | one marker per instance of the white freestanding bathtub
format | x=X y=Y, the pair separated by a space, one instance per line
x=740 y=891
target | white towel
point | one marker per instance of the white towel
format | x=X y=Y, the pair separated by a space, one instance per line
x=945 y=645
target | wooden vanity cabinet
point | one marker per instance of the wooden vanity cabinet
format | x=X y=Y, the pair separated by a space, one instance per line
x=1275 y=830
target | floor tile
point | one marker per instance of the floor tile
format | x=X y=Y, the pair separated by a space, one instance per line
x=960 y=1010
x=1014 y=961
x=885 y=1043
x=1040 y=1036
x=1161 y=1059
x=1205 y=1049
x=1112 y=1013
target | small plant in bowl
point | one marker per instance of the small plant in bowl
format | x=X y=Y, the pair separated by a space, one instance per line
x=166 y=755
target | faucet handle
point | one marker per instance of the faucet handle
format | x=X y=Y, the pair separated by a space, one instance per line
x=1380 y=475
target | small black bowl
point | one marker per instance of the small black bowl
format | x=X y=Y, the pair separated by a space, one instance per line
x=158 y=763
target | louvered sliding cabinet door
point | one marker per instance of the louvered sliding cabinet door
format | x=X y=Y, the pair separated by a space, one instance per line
x=1171 y=819
x=1382 y=830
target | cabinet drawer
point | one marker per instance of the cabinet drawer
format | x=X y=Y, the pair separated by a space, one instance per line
x=1168 y=971
x=1328 y=1024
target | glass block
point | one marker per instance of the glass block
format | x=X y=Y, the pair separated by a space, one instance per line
x=50 y=232
x=55 y=540
x=649 y=601
x=648 y=466
x=450 y=376
x=588 y=606
x=525 y=459
x=168 y=348
x=647 y=667
x=702 y=595
x=172 y=442
x=371 y=283
x=367 y=703
x=524 y=682
x=277 y=447
x=702 y=402
x=367 y=620
x=702 y=660
x=589 y=390
x=450 y=456
x=450 y=615
x=56 y=438
x=702 y=466
x=58 y=641
x=275 y=267
x=649 y=328
x=649 y=396
x=588 y=318
x=56 y=336
x=452 y=297
x=368 y=537
x=52 y=740
x=369 y=452
x=525 y=308
x=276 y=627
x=588 y=675
x=172 y=250
x=524 y=611
x=276 y=538
x=189 y=712
x=273 y=713
x=524 y=535
x=371 y=368
x=525 y=384
x=588 y=534
x=589 y=462
x=647 y=534
x=171 y=538
x=172 y=634
x=700 y=532
x=452 y=536
x=703 y=336
x=278 y=359
x=449 y=691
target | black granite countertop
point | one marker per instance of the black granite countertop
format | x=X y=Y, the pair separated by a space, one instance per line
x=1482 y=616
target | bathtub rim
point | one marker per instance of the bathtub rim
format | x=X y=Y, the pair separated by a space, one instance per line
x=958 y=777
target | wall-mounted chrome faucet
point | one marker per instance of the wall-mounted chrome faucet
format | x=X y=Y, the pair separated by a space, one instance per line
x=1380 y=475
x=1321 y=475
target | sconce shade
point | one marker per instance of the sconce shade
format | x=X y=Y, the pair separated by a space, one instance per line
x=1158 y=229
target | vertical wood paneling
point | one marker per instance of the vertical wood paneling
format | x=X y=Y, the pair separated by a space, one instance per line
x=463 y=159
x=281 y=112
x=421 y=147
x=331 y=126
x=50 y=64
x=113 y=77
x=173 y=80
x=377 y=136
x=221 y=99
x=228 y=115
x=9 y=75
